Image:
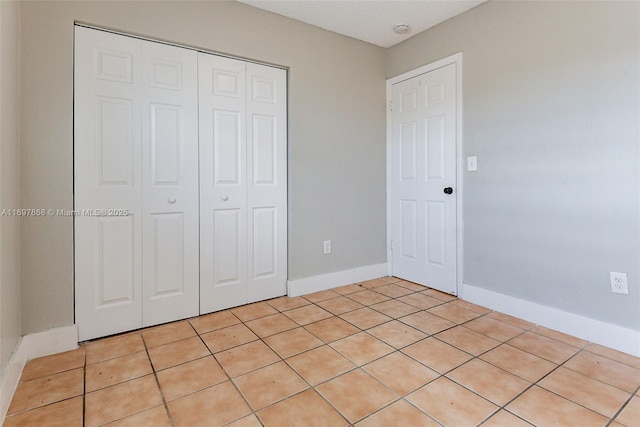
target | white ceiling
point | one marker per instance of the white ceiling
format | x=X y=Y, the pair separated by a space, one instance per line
x=368 y=20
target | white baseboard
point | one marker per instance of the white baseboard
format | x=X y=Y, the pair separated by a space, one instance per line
x=333 y=280
x=30 y=347
x=596 y=331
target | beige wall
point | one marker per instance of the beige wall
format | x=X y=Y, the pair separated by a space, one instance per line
x=336 y=132
x=551 y=107
x=9 y=181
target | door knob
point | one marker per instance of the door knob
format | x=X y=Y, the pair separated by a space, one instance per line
x=224 y=198
x=172 y=200
x=448 y=190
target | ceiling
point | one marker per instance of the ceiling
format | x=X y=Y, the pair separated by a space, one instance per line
x=368 y=20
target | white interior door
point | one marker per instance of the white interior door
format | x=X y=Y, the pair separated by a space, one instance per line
x=223 y=185
x=243 y=190
x=107 y=152
x=170 y=229
x=423 y=179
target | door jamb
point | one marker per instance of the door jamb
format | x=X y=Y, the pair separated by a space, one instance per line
x=453 y=59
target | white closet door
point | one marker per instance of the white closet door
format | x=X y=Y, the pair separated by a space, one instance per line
x=169 y=183
x=266 y=181
x=107 y=150
x=223 y=189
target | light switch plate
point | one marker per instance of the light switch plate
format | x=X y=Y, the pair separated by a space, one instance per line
x=472 y=163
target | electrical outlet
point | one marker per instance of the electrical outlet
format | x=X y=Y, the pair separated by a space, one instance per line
x=327 y=247
x=619 y=283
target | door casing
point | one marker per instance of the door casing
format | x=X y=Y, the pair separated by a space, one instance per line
x=453 y=59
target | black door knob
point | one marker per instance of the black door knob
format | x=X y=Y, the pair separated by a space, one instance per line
x=448 y=190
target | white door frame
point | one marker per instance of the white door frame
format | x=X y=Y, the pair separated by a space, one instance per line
x=453 y=59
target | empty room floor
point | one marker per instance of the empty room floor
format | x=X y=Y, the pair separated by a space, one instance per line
x=385 y=352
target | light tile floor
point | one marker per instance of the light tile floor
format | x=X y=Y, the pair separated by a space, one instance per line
x=384 y=352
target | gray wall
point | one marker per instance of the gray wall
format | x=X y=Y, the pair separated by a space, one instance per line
x=551 y=109
x=336 y=137
x=9 y=181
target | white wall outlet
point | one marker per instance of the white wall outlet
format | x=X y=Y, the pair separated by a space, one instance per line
x=327 y=247
x=472 y=163
x=619 y=283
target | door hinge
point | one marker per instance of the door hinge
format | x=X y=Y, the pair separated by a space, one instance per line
x=390 y=105
x=391 y=245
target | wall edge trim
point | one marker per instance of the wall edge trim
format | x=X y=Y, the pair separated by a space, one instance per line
x=326 y=281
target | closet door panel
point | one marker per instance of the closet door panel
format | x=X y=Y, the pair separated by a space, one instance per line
x=267 y=181
x=170 y=183
x=107 y=184
x=223 y=213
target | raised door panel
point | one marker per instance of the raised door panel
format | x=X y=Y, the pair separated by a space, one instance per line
x=170 y=183
x=107 y=184
x=223 y=183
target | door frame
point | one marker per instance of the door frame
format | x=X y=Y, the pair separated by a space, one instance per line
x=453 y=59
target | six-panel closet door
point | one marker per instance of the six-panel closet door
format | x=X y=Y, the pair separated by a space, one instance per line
x=243 y=193
x=135 y=183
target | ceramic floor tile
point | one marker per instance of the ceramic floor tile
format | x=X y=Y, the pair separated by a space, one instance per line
x=468 y=340
x=54 y=364
x=190 y=377
x=118 y=370
x=331 y=329
x=339 y=305
x=616 y=355
x=271 y=325
x=112 y=347
x=427 y=322
x=493 y=328
x=492 y=383
x=593 y=394
x=518 y=362
x=292 y=342
x=630 y=415
x=122 y=400
x=368 y=297
x=543 y=408
x=470 y=306
x=400 y=373
x=165 y=334
x=559 y=336
x=438 y=295
x=307 y=314
x=348 y=289
x=212 y=407
x=365 y=318
x=380 y=281
x=420 y=300
x=544 y=347
x=452 y=405
x=394 y=308
x=175 y=353
x=503 y=418
x=45 y=390
x=286 y=303
x=397 y=334
x=156 y=417
x=453 y=313
x=361 y=348
x=523 y=324
x=410 y=285
x=320 y=296
x=67 y=413
x=356 y=394
x=437 y=355
x=226 y=338
x=399 y=413
x=245 y=358
x=306 y=409
x=253 y=311
x=213 y=321
x=606 y=370
x=320 y=364
x=393 y=291
x=270 y=384
x=248 y=421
